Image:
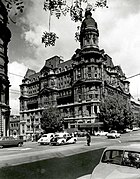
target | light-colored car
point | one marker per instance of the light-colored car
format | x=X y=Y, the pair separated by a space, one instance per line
x=135 y=128
x=113 y=134
x=10 y=141
x=63 y=138
x=100 y=133
x=45 y=138
x=127 y=130
x=118 y=162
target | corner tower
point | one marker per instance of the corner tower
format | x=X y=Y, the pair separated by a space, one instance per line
x=5 y=36
x=89 y=32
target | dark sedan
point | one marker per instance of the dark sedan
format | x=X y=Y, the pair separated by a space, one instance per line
x=10 y=141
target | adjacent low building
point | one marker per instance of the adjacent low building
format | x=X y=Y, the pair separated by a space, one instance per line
x=75 y=86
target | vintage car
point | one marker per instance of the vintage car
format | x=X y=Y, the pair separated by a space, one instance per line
x=10 y=141
x=63 y=138
x=135 y=128
x=45 y=138
x=118 y=162
x=113 y=134
x=100 y=133
x=126 y=130
x=80 y=133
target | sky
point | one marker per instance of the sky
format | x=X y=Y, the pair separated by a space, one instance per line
x=119 y=36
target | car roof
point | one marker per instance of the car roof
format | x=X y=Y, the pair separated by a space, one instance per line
x=129 y=147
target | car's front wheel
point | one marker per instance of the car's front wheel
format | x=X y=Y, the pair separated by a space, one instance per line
x=20 y=144
x=63 y=142
x=74 y=141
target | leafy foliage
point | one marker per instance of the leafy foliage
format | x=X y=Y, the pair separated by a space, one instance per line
x=101 y=3
x=62 y=7
x=115 y=113
x=14 y=7
x=49 y=38
x=51 y=120
x=56 y=7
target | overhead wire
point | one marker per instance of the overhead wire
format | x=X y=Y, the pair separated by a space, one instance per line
x=12 y=90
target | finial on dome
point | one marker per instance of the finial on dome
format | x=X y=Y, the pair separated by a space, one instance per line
x=89 y=7
x=88 y=10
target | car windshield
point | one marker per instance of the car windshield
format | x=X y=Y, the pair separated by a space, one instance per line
x=120 y=157
x=45 y=135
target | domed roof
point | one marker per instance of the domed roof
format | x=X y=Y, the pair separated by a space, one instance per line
x=88 y=22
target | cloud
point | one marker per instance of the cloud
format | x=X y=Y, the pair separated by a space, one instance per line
x=31 y=36
x=16 y=73
x=119 y=33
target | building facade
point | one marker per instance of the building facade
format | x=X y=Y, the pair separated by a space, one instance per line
x=5 y=36
x=14 y=125
x=75 y=86
x=135 y=105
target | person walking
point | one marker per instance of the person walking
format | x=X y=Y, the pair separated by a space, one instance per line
x=88 y=138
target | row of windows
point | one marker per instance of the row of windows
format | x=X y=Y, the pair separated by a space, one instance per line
x=35 y=120
x=66 y=68
x=32 y=80
x=87 y=97
x=65 y=93
x=30 y=128
x=32 y=114
x=14 y=125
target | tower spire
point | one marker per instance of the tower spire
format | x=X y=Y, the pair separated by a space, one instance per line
x=89 y=31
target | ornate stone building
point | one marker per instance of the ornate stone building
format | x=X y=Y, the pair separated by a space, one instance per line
x=5 y=36
x=14 y=125
x=75 y=86
x=135 y=106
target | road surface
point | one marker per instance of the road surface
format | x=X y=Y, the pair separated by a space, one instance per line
x=32 y=151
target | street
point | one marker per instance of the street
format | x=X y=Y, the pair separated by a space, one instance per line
x=32 y=151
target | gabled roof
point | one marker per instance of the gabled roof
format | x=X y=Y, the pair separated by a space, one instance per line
x=109 y=62
x=29 y=73
x=67 y=63
x=119 y=70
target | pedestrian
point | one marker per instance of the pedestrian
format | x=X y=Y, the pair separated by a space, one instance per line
x=88 y=138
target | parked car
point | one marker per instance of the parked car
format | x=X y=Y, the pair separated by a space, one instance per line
x=100 y=133
x=118 y=162
x=45 y=138
x=127 y=130
x=10 y=141
x=63 y=138
x=135 y=128
x=113 y=134
x=80 y=133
